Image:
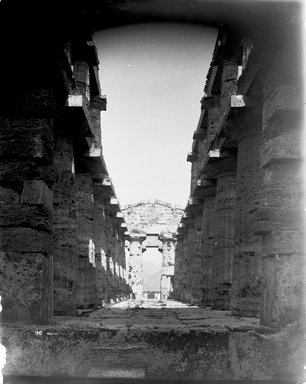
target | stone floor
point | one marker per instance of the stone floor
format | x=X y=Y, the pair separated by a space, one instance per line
x=156 y=340
x=152 y=314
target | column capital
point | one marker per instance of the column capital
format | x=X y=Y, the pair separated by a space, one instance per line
x=167 y=237
x=99 y=103
x=135 y=237
x=243 y=122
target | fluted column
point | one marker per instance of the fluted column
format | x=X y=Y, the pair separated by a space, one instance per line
x=167 y=267
x=281 y=222
x=27 y=175
x=194 y=220
x=189 y=247
x=179 y=264
x=223 y=249
x=87 y=296
x=65 y=254
x=100 y=243
x=245 y=127
x=207 y=193
x=136 y=265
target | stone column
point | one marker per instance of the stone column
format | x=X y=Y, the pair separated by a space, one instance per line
x=207 y=193
x=179 y=280
x=65 y=240
x=26 y=199
x=282 y=207
x=195 y=210
x=87 y=291
x=225 y=171
x=167 y=267
x=136 y=265
x=100 y=243
x=188 y=259
x=127 y=268
x=109 y=256
x=245 y=127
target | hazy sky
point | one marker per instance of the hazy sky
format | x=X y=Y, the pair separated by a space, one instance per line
x=153 y=76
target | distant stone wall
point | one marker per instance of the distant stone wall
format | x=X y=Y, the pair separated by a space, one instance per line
x=151 y=223
x=152 y=215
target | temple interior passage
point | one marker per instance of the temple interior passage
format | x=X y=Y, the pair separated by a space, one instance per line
x=81 y=295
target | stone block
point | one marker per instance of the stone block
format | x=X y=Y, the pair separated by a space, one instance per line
x=9 y=196
x=37 y=192
x=36 y=217
x=26 y=139
x=283 y=289
x=229 y=72
x=267 y=219
x=25 y=240
x=37 y=101
x=14 y=172
x=26 y=287
x=286 y=147
x=278 y=98
x=283 y=241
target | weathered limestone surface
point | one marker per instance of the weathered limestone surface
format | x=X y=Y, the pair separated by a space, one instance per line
x=136 y=265
x=177 y=343
x=167 y=267
x=196 y=261
x=26 y=178
x=152 y=221
x=245 y=293
x=209 y=197
x=256 y=263
x=282 y=222
x=83 y=190
x=223 y=249
x=100 y=245
x=149 y=214
x=65 y=255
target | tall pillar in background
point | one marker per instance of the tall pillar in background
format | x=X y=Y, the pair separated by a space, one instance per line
x=188 y=250
x=65 y=240
x=136 y=265
x=194 y=208
x=179 y=267
x=223 y=250
x=100 y=242
x=167 y=267
x=87 y=296
x=206 y=191
x=245 y=127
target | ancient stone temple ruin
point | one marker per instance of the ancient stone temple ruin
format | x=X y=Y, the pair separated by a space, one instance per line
x=151 y=224
x=240 y=241
x=69 y=253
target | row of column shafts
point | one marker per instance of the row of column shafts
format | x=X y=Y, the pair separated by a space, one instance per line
x=62 y=232
x=240 y=241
